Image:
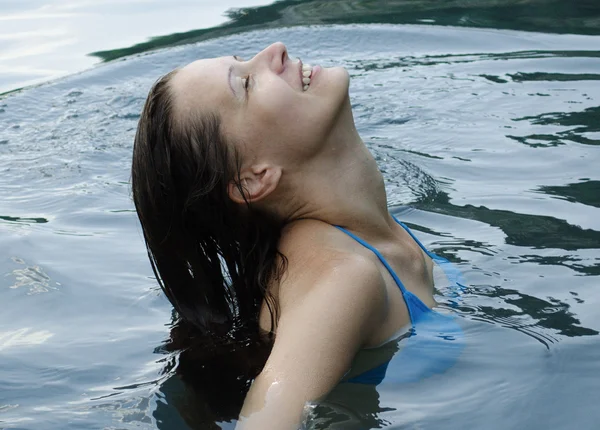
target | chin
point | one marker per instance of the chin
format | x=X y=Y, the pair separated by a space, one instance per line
x=338 y=82
x=341 y=75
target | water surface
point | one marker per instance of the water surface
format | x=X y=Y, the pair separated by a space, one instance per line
x=489 y=144
x=42 y=40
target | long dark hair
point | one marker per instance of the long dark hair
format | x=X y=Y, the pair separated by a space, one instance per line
x=213 y=259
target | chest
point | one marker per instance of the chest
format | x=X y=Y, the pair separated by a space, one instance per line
x=413 y=269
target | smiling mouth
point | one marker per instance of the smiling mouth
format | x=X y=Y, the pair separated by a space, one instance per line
x=307 y=71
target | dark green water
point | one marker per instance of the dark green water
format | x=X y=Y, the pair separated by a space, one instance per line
x=489 y=141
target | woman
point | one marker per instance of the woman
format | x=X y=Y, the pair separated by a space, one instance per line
x=265 y=214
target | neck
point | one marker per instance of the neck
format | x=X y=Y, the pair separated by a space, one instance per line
x=342 y=187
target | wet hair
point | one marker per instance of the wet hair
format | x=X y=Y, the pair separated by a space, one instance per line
x=213 y=258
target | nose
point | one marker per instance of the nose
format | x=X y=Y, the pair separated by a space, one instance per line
x=274 y=55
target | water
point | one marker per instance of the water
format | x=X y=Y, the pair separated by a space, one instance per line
x=489 y=143
x=42 y=40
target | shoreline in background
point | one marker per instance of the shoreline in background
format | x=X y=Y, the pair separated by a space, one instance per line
x=74 y=37
x=44 y=40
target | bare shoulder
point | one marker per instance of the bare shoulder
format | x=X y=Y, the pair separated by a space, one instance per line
x=331 y=300
x=321 y=262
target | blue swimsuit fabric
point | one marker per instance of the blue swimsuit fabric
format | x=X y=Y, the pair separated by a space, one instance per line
x=435 y=340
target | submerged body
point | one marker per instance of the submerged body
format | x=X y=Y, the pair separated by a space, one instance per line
x=434 y=340
x=275 y=203
x=391 y=283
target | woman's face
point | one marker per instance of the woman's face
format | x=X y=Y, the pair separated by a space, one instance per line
x=263 y=105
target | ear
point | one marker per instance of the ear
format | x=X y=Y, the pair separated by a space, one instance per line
x=257 y=183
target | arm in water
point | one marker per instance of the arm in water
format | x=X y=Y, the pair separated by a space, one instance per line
x=320 y=330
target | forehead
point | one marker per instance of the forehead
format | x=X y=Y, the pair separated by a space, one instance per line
x=201 y=85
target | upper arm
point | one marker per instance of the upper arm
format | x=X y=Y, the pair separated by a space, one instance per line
x=318 y=336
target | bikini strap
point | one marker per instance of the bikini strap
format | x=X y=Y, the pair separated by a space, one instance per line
x=378 y=254
x=430 y=254
x=403 y=290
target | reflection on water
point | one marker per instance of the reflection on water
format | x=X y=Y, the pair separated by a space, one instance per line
x=32 y=278
x=23 y=220
x=551 y=314
x=521 y=229
x=439 y=108
x=583 y=122
x=587 y=192
x=548 y=16
x=23 y=337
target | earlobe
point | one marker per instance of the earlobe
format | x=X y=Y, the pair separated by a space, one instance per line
x=235 y=190
x=256 y=183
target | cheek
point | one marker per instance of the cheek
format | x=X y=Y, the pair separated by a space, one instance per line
x=282 y=112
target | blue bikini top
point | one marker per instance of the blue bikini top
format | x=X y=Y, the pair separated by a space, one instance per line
x=435 y=340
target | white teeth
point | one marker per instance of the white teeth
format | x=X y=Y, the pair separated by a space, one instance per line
x=306 y=73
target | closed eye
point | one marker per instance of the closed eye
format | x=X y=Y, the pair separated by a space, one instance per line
x=246 y=79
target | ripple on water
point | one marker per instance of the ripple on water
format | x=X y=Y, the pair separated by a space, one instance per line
x=32 y=278
x=490 y=134
x=23 y=337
